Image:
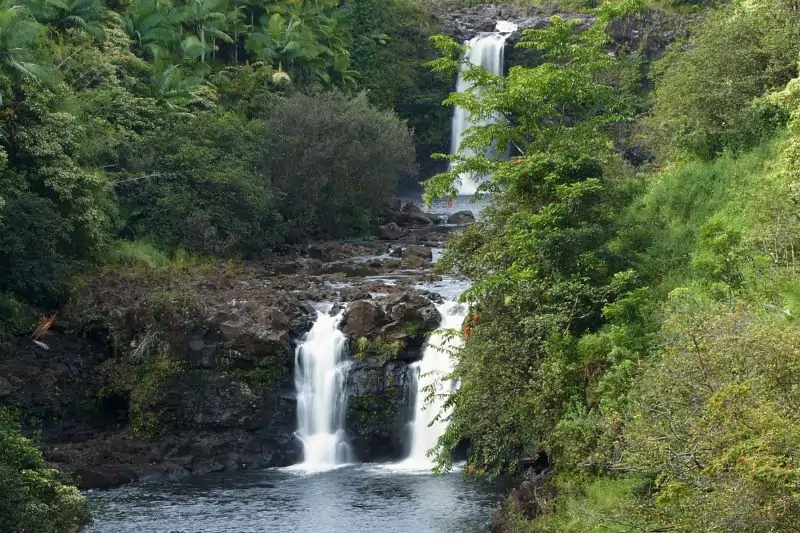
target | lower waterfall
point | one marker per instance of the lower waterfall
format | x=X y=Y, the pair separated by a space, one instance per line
x=320 y=377
x=436 y=363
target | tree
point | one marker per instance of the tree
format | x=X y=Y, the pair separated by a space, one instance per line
x=305 y=39
x=335 y=161
x=207 y=20
x=151 y=26
x=703 y=102
x=19 y=33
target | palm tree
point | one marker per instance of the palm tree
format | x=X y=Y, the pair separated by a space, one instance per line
x=84 y=14
x=306 y=39
x=152 y=26
x=19 y=33
x=207 y=20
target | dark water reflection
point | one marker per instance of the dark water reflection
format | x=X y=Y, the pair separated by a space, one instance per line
x=353 y=499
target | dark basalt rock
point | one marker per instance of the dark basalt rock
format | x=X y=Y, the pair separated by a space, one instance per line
x=390 y=231
x=160 y=376
x=378 y=411
x=461 y=218
x=378 y=382
x=364 y=318
x=193 y=379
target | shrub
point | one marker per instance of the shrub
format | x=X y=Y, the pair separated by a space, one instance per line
x=335 y=160
x=33 y=498
x=704 y=97
x=197 y=187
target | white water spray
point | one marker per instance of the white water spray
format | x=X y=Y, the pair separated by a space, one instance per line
x=429 y=373
x=485 y=50
x=320 y=376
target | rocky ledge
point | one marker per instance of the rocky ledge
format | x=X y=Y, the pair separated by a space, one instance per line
x=165 y=373
x=648 y=31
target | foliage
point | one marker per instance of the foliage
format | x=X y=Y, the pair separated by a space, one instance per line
x=538 y=257
x=138 y=121
x=391 y=43
x=706 y=97
x=377 y=347
x=34 y=498
x=198 y=186
x=716 y=423
x=335 y=160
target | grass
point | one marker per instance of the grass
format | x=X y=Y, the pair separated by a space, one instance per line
x=144 y=254
x=137 y=254
x=599 y=506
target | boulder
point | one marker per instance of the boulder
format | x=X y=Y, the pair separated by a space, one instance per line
x=390 y=231
x=104 y=476
x=414 y=219
x=417 y=256
x=364 y=318
x=418 y=250
x=413 y=317
x=410 y=208
x=461 y=218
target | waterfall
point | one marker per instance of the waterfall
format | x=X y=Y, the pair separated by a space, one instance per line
x=429 y=372
x=320 y=376
x=485 y=50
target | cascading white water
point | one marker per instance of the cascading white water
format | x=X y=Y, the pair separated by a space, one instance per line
x=485 y=50
x=436 y=363
x=320 y=376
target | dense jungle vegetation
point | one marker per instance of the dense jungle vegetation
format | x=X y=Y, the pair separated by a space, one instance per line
x=637 y=324
x=634 y=321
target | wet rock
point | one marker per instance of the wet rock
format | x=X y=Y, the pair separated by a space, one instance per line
x=390 y=231
x=413 y=318
x=377 y=413
x=461 y=218
x=410 y=208
x=105 y=476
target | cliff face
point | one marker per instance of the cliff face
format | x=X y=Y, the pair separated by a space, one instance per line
x=164 y=376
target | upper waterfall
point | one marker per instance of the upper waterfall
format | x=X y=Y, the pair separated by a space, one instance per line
x=485 y=50
x=320 y=372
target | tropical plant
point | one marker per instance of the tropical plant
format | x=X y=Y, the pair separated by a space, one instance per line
x=151 y=27
x=19 y=34
x=206 y=21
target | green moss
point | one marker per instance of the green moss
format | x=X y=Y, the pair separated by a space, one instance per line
x=146 y=424
x=371 y=411
x=263 y=377
x=148 y=388
x=377 y=347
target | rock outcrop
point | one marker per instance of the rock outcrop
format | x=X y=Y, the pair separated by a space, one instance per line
x=385 y=337
x=164 y=373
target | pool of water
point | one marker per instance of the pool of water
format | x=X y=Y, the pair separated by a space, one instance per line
x=349 y=499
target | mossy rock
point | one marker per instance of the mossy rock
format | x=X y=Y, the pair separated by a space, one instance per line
x=378 y=348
